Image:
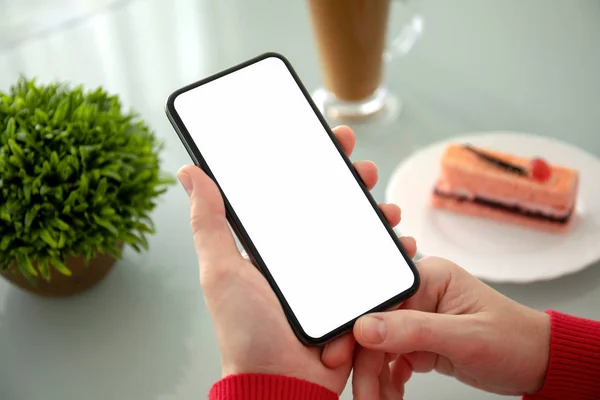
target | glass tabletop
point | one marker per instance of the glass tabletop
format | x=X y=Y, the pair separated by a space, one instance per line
x=144 y=333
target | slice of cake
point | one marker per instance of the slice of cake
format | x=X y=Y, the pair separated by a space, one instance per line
x=504 y=187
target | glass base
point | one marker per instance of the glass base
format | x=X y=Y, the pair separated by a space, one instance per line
x=381 y=104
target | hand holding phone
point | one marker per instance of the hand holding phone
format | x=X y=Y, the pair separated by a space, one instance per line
x=253 y=333
x=255 y=131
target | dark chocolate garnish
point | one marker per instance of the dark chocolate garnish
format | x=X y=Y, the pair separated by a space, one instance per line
x=510 y=208
x=515 y=169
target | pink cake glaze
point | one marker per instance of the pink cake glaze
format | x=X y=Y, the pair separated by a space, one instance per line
x=464 y=171
x=465 y=176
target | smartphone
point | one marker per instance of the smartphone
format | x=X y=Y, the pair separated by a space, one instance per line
x=292 y=196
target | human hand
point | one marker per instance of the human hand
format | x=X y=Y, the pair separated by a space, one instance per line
x=455 y=325
x=253 y=333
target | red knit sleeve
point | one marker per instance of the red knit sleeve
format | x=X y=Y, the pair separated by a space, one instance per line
x=574 y=363
x=268 y=387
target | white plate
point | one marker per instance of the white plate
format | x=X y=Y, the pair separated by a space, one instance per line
x=495 y=251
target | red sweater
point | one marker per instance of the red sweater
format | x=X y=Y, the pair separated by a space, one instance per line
x=573 y=370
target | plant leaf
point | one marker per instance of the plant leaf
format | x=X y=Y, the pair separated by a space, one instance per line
x=30 y=216
x=25 y=263
x=54 y=159
x=45 y=189
x=11 y=127
x=111 y=174
x=61 y=240
x=62 y=225
x=46 y=237
x=27 y=192
x=25 y=273
x=61 y=112
x=16 y=161
x=84 y=184
x=44 y=269
x=101 y=189
x=5 y=242
x=60 y=267
x=16 y=149
x=4 y=214
x=107 y=225
x=41 y=116
x=107 y=211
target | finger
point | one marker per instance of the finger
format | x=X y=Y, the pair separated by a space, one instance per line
x=367 y=170
x=346 y=138
x=400 y=372
x=393 y=215
x=365 y=375
x=444 y=366
x=212 y=237
x=339 y=352
x=405 y=331
x=391 y=212
x=421 y=361
x=436 y=275
x=387 y=389
x=410 y=245
x=389 y=357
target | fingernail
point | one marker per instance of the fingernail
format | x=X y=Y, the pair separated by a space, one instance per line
x=186 y=182
x=373 y=330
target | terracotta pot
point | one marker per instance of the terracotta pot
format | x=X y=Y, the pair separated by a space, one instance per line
x=82 y=277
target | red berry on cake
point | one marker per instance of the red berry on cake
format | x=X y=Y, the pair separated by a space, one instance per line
x=540 y=170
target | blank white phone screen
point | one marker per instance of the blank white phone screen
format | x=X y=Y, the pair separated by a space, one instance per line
x=312 y=225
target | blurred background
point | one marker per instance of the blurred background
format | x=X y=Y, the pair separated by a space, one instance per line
x=480 y=65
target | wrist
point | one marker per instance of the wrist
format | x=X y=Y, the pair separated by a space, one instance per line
x=541 y=343
x=270 y=370
x=240 y=369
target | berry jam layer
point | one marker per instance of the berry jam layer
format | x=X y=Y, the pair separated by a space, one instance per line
x=515 y=209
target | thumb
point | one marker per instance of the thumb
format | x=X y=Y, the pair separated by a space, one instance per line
x=405 y=331
x=212 y=237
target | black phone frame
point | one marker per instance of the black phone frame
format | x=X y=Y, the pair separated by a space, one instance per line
x=239 y=229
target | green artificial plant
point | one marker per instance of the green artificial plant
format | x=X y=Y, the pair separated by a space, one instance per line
x=78 y=176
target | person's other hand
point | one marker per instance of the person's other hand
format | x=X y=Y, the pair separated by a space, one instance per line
x=455 y=325
x=253 y=333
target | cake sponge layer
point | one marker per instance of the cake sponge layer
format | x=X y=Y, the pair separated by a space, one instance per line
x=477 y=210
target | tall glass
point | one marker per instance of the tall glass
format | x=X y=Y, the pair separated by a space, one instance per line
x=351 y=41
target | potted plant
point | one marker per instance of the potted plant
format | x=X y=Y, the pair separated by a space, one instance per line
x=78 y=180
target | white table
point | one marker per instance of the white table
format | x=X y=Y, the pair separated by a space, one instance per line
x=144 y=333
